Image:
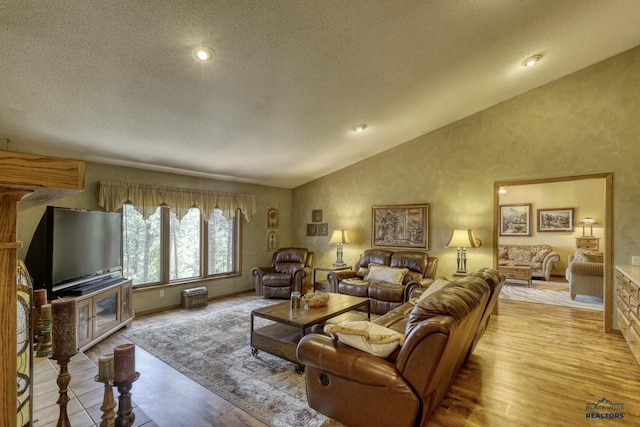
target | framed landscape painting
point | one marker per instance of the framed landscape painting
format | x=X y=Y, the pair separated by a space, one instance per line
x=400 y=226
x=559 y=219
x=515 y=220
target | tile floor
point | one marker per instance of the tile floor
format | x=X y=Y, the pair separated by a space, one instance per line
x=85 y=393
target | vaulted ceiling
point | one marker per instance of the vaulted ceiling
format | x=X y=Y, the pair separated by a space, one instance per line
x=115 y=81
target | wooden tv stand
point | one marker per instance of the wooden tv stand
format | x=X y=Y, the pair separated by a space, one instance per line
x=102 y=312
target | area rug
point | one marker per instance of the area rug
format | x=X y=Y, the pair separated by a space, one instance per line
x=213 y=349
x=553 y=293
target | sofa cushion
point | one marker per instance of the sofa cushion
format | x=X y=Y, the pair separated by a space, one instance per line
x=520 y=254
x=456 y=299
x=277 y=279
x=595 y=257
x=412 y=276
x=392 y=275
x=539 y=256
x=439 y=283
x=354 y=286
x=367 y=336
x=375 y=256
x=386 y=292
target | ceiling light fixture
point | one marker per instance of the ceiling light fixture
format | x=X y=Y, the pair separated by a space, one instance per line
x=531 y=61
x=359 y=128
x=202 y=54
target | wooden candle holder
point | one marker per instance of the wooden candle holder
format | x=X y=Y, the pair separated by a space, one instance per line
x=63 y=387
x=126 y=416
x=108 y=403
x=43 y=345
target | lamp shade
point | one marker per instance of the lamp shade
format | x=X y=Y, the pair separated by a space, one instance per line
x=463 y=239
x=339 y=237
x=588 y=221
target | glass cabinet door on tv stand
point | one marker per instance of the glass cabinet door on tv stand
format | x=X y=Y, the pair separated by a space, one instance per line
x=103 y=312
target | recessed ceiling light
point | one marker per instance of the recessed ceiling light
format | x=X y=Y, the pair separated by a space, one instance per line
x=359 y=128
x=531 y=61
x=202 y=54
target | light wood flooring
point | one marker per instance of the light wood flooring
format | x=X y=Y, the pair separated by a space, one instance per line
x=536 y=365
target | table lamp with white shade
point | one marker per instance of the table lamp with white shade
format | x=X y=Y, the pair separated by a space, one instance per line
x=462 y=239
x=339 y=237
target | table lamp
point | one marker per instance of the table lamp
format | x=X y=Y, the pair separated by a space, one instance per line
x=463 y=239
x=339 y=237
x=590 y=222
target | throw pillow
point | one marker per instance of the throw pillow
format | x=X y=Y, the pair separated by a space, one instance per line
x=593 y=258
x=367 y=336
x=438 y=284
x=392 y=275
x=540 y=256
x=520 y=254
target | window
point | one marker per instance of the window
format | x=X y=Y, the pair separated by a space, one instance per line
x=184 y=245
x=193 y=246
x=221 y=244
x=141 y=246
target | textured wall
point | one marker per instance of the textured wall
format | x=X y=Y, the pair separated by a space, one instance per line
x=253 y=242
x=585 y=123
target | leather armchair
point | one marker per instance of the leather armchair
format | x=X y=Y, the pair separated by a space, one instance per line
x=290 y=270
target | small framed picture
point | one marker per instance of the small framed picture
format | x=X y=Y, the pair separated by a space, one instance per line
x=273 y=217
x=272 y=240
x=316 y=215
x=558 y=219
x=515 y=220
x=323 y=229
x=312 y=229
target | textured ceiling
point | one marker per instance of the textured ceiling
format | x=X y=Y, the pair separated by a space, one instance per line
x=114 y=81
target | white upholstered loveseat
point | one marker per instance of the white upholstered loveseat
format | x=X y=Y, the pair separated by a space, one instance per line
x=541 y=258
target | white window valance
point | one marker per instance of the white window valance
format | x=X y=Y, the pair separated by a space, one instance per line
x=146 y=199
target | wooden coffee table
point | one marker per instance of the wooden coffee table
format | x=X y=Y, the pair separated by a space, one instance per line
x=517 y=272
x=289 y=325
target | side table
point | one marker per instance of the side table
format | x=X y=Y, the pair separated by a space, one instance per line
x=323 y=284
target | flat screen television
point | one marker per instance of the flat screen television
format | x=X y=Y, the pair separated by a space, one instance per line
x=73 y=251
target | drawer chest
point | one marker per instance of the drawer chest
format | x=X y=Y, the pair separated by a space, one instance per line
x=588 y=243
x=628 y=306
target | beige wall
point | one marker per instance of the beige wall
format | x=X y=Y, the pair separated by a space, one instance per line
x=586 y=123
x=253 y=242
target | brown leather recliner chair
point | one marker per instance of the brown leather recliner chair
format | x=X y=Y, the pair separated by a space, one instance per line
x=290 y=270
x=356 y=388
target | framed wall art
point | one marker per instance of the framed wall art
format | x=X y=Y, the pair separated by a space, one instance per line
x=273 y=217
x=515 y=220
x=316 y=215
x=272 y=239
x=558 y=219
x=312 y=230
x=323 y=229
x=401 y=226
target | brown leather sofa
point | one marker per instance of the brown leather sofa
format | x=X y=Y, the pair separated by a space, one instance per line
x=421 y=269
x=290 y=270
x=356 y=388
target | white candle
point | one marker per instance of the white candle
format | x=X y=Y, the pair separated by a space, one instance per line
x=105 y=367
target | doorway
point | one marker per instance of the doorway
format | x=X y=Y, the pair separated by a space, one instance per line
x=606 y=232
